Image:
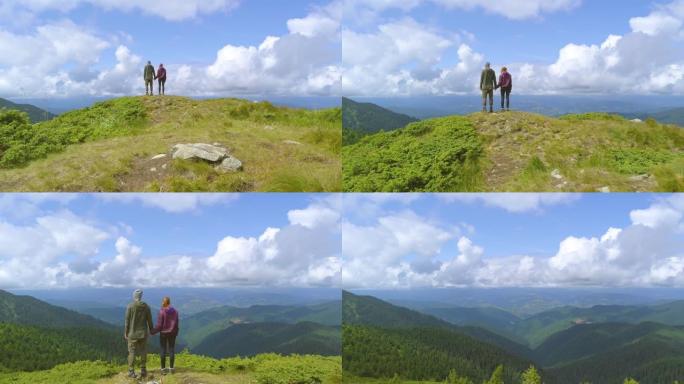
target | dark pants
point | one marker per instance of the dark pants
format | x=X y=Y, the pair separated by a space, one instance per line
x=168 y=345
x=506 y=96
x=162 y=83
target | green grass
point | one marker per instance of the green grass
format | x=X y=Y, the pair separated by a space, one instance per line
x=428 y=156
x=109 y=147
x=518 y=152
x=261 y=369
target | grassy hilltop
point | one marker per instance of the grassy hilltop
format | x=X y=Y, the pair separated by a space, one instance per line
x=519 y=152
x=194 y=369
x=110 y=147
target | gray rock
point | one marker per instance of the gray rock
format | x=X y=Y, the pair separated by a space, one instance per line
x=603 y=190
x=153 y=169
x=208 y=152
x=637 y=121
x=292 y=142
x=640 y=178
x=159 y=156
x=556 y=174
x=229 y=164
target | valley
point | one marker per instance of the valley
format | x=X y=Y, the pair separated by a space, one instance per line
x=597 y=344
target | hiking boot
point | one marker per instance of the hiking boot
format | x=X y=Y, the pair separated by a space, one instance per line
x=172 y=370
x=132 y=374
x=143 y=372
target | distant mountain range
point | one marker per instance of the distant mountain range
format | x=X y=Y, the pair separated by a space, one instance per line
x=667 y=116
x=361 y=119
x=601 y=344
x=255 y=338
x=35 y=114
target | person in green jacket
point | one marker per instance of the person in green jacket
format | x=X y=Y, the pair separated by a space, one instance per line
x=149 y=76
x=487 y=86
x=137 y=324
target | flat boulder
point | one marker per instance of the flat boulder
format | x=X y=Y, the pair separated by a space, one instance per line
x=207 y=152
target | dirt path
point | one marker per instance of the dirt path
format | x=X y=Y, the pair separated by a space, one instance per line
x=182 y=377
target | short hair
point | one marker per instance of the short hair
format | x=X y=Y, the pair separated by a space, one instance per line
x=137 y=294
x=487 y=64
x=166 y=301
x=504 y=69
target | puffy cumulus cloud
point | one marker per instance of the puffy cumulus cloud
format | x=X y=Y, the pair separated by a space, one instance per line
x=375 y=254
x=63 y=59
x=63 y=250
x=174 y=10
x=171 y=202
x=648 y=252
x=25 y=249
x=372 y=67
x=513 y=202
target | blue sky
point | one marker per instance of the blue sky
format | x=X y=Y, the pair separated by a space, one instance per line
x=565 y=47
x=211 y=240
x=97 y=48
x=521 y=240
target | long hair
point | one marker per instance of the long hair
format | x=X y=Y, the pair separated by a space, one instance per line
x=166 y=301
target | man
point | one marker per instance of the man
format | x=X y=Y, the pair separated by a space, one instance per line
x=161 y=76
x=487 y=86
x=137 y=324
x=148 y=75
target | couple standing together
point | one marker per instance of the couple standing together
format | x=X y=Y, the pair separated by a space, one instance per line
x=488 y=84
x=150 y=76
x=137 y=324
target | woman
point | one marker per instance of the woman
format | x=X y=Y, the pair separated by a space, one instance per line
x=167 y=326
x=161 y=76
x=506 y=85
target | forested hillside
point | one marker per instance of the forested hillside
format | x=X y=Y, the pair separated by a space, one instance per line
x=362 y=119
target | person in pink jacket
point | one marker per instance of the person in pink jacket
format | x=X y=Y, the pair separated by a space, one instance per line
x=167 y=327
x=506 y=85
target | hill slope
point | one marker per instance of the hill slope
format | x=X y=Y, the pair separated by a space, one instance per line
x=113 y=146
x=518 y=151
x=370 y=311
x=361 y=119
x=25 y=348
x=26 y=310
x=35 y=114
x=605 y=353
x=253 y=339
x=380 y=340
x=198 y=326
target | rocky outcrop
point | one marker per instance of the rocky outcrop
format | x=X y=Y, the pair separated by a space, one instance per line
x=212 y=153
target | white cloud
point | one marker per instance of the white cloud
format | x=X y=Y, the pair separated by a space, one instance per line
x=64 y=250
x=171 y=202
x=647 y=252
